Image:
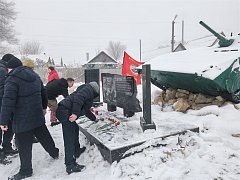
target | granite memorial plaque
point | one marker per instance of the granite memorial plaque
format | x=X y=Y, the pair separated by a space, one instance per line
x=120 y=91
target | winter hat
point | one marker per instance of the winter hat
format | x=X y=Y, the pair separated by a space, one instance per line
x=7 y=57
x=95 y=86
x=28 y=63
x=13 y=63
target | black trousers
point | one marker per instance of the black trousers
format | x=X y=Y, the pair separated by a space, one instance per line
x=70 y=135
x=24 y=140
x=6 y=138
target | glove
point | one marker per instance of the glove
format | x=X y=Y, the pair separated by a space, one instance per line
x=99 y=119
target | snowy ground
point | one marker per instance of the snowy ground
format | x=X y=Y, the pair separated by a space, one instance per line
x=211 y=154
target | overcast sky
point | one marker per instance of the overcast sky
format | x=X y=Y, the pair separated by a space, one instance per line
x=71 y=28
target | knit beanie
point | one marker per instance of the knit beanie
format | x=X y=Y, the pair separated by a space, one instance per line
x=95 y=86
x=13 y=63
x=7 y=57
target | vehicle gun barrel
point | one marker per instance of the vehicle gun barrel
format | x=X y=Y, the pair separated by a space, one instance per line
x=223 y=42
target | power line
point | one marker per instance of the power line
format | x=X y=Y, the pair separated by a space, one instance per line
x=84 y=37
x=80 y=37
x=92 y=22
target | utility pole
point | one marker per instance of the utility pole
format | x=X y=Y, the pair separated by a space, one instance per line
x=87 y=56
x=140 y=43
x=182 y=32
x=61 y=62
x=173 y=22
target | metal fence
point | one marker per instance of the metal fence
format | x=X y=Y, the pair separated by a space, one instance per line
x=76 y=73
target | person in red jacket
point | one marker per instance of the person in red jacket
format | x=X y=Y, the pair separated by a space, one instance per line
x=52 y=74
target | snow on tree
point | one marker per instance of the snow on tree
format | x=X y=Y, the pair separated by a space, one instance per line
x=40 y=63
x=30 y=48
x=7 y=16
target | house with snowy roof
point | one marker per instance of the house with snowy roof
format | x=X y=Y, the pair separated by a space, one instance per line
x=102 y=61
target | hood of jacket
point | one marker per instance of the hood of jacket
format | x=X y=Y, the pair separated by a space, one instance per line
x=23 y=73
x=53 y=72
x=64 y=82
x=3 y=64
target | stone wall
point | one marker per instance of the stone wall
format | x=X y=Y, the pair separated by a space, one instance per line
x=182 y=100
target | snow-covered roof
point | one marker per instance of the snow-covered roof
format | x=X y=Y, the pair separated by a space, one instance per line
x=102 y=58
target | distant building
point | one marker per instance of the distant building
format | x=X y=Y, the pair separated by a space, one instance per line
x=102 y=61
x=180 y=47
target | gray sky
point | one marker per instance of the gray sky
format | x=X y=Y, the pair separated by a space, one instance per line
x=71 y=28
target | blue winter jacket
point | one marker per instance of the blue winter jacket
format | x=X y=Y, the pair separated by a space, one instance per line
x=24 y=100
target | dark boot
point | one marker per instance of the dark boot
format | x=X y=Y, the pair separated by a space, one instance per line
x=19 y=176
x=10 y=151
x=56 y=154
x=74 y=168
x=79 y=151
x=3 y=159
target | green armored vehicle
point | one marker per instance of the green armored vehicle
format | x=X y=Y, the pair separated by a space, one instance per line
x=209 y=70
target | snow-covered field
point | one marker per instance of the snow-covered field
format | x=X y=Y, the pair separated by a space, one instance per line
x=211 y=154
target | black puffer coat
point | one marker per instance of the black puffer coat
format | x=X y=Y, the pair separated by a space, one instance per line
x=3 y=73
x=57 y=87
x=80 y=102
x=24 y=100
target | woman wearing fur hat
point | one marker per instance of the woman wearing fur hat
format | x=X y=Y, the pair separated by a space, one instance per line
x=28 y=63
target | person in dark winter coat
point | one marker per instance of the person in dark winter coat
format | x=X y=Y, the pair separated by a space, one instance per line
x=54 y=89
x=6 y=137
x=24 y=103
x=69 y=109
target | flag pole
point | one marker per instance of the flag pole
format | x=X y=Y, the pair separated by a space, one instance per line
x=140 y=54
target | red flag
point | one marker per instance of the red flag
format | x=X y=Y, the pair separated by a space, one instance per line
x=129 y=68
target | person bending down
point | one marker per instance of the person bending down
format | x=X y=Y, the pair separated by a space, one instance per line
x=69 y=109
x=54 y=89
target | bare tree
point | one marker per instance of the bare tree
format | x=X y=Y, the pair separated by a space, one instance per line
x=30 y=48
x=40 y=63
x=7 y=16
x=97 y=51
x=115 y=49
